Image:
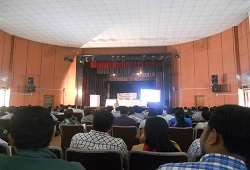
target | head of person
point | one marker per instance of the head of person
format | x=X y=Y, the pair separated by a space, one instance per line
x=31 y=128
x=3 y=109
x=205 y=115
x=228 y=132
x=152 y=112
x=157 y=136
x=87 y=111
x=179 y=116
x=49 y=108
x=131 y=111
x=103 y=121
x=11 y=109
x=159 y=110
x=68 y=113
x=110 y=108
x=123 y=110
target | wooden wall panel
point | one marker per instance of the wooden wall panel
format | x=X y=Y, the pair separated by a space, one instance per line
x=61 y=70
x=201 y=78
x=187 y=65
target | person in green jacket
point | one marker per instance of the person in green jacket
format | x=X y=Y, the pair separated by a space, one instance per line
x=31 y=131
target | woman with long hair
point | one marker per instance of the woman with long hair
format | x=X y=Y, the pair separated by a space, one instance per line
x=180 y=121
x=156 y=137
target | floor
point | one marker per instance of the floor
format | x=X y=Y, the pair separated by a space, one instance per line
x=56 y=141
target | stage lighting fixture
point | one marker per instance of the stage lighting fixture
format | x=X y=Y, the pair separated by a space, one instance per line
x=71 y=60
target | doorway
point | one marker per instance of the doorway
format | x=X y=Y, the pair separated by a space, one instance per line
x=199 y=100
x=48 y=100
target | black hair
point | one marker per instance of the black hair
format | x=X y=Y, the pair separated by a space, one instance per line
x=152 y=112
x=131 y=111
x=233 y=123
x=157 y=135
x=206 y=115
x=103 y=120
x=179 y=116
x=123 y=109
x=31 y=128
x=87 y=111
x=68 y=113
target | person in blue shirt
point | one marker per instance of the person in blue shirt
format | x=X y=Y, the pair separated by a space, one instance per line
x=180 y=114
x=30 y=134
x=224 y=142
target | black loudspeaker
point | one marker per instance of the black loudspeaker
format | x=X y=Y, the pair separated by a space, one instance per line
x=31 y=88
x=30 y=81
x=216 y=87
x=214 y=79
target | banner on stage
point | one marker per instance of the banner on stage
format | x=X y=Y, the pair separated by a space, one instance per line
x=126 y=96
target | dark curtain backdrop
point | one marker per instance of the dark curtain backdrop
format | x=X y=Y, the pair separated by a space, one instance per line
x=123 y=77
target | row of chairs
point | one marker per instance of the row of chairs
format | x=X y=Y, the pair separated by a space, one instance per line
x=112 y=159
x=127 y=133
x=182 y=136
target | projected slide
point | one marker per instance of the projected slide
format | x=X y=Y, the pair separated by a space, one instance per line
x=150 y=95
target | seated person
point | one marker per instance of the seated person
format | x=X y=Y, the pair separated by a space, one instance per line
x=99 y=138
x=205 y=117
x=180 y=120
x=30 y=134
x=69 y=119
x=88 y=116
x=131 y=114
x=10 y=112
x=155 y=137
x=194 y=150
x=124 y=120
x=224 y=142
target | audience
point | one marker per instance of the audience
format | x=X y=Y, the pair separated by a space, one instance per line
x=180 y=120
x=194 y=150
x=131 y=114
x=124 y=120
x=99 y=138
x=3 y=111
x=88 y=116
x=69 y=119
x=224 y=142
x=205 y=117
x=10 y=112
x=30 y=134
x=155 y=137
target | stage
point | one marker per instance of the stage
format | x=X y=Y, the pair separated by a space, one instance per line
x=128 y=103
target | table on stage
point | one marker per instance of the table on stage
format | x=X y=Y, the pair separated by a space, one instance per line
x=128 y=103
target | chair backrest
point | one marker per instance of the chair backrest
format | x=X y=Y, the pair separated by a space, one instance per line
x=198 y=133
x=182 y=136
x=68 y=131
x=5 y=149
x=147 y=160
x=96 y=159
x=78 y=116
x=127 y=133
x=57 y=151
x=89 y=128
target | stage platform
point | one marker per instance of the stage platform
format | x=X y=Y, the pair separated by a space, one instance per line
x=128 y=103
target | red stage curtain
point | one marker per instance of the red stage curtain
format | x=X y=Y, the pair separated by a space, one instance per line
x=115 y=64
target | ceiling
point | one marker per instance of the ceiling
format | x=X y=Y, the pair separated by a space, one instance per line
x=119 y=23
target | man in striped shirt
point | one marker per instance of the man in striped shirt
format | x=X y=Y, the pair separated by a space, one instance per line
x=224 y=142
